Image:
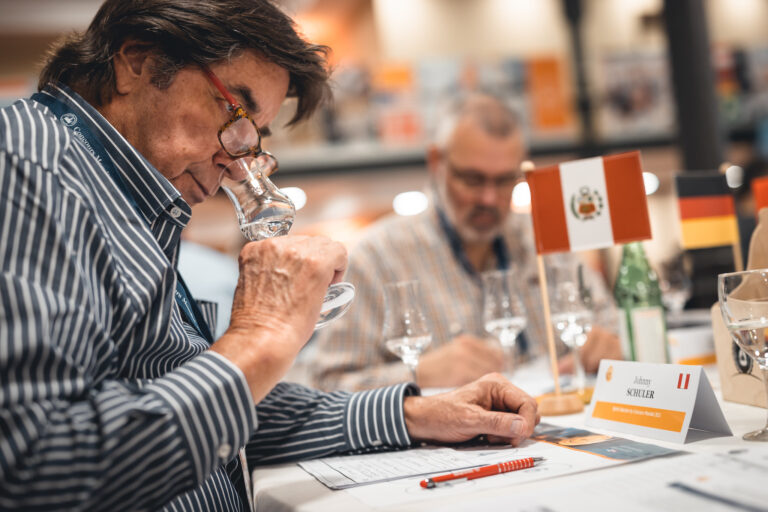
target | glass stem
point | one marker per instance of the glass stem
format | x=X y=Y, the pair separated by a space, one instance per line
x=764 y=371
x=579 y=377
x=509 y=359
x=412 y=363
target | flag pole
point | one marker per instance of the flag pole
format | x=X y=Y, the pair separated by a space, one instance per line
x=738 y=257
x=548 y=322
x=559 y=403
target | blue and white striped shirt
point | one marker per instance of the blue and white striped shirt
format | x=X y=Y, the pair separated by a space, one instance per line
x=108 y=399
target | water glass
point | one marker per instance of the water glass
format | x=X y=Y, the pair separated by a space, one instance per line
x=407 y=330
x=504 y=315
x=263 y=211
x=743 y=300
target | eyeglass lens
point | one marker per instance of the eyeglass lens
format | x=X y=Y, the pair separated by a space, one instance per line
x=241 y=137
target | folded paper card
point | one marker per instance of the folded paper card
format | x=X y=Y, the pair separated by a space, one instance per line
x=668 y=402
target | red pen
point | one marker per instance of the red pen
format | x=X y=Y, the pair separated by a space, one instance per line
x=471 y=474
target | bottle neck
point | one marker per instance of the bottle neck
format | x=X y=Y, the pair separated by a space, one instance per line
x=633 y=253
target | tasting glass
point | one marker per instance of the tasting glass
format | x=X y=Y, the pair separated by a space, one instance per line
x=572 y=321
x=263 y=211
x=504 y=315
x=743 y=300
x=407 y=331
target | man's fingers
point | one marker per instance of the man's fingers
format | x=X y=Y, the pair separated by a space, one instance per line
x=565 y=364
x=525 y=406
x=504 y=426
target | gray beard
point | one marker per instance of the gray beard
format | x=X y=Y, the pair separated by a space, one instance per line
x=466 y=233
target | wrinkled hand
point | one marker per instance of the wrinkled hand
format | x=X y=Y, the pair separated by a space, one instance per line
x=490 y=405
x=276 y=304
x=462 y=360
x=600 y=344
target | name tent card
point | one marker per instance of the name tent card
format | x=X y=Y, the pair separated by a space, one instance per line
x=668 y=402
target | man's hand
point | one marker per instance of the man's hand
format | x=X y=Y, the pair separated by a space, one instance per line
x=276 y=304
x=462 y=360
x=600 y=344
x=491 y=405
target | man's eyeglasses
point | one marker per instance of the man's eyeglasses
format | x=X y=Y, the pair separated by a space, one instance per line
x=475 y=181
x=240 y=136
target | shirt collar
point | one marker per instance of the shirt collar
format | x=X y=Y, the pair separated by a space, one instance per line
x=498 y=245
x=151 y=191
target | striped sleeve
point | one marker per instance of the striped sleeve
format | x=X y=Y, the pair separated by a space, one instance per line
x=121 y=445
x=297 y=423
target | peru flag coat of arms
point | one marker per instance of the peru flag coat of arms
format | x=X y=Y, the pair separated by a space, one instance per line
x=589 y=204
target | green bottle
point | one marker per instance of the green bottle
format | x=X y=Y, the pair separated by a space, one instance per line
x=642 y=326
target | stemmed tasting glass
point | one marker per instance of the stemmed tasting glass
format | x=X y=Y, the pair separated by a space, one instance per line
x=744 y=305
x=407 y=330
x=675 y=285
x=263 y=211
x=504 y=315
x=572 y=321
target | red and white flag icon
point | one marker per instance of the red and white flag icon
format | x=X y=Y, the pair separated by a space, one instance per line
x=589 y=204
x=683 y=380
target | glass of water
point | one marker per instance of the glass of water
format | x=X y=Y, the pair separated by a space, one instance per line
x=676 y=286
x=572 y=321
x=263 y=211
x=504 y=315
x=743 y=300
x=407 y=330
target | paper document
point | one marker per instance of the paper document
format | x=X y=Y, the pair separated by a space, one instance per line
x=712 y=482
x=586 y=450
x=349 y=471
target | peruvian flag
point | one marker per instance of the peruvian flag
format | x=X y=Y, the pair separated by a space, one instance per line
x=589 y=204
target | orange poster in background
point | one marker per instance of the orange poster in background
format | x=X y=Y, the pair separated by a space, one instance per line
x=393 y=77
x=550 y=105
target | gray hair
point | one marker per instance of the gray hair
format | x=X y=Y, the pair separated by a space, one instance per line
x=492 y=114
x=184 y=33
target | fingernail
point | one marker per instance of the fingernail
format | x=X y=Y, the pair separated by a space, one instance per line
x=517 y=427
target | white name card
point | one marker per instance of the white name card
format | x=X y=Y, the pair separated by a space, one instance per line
x=668 y=402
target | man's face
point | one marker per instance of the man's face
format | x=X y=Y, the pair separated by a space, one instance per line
x=176 y=128
x=475 y=176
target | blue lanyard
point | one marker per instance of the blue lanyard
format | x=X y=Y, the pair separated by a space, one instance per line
x=82 y=133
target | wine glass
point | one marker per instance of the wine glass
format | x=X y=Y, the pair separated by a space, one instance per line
x=504 y=315
x=407 y=331
x=675 y=285
x=572 y=321
x=263 y=211
x=743 y=300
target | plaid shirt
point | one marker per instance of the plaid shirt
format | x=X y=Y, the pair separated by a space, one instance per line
x=351 y=353
x=109 y=400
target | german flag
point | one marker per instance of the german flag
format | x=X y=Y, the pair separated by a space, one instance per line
x=707 y=211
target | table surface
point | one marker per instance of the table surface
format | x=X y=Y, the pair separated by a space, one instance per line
x=287 y=487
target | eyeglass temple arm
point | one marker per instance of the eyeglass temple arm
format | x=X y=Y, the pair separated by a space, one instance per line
x=220 y=86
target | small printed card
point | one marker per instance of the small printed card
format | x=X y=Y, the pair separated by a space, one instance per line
x=668 y=402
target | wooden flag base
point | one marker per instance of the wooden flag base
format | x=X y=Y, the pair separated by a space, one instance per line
x=558 y=405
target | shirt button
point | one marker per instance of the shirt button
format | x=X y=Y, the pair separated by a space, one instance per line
x=225 y=450
x=175 y=212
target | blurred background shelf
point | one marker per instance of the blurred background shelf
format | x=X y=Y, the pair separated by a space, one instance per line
x=587 y=77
